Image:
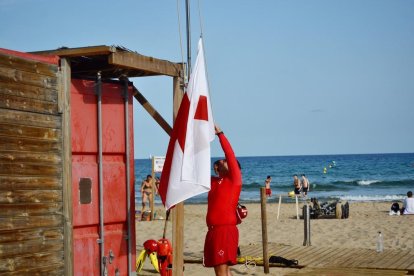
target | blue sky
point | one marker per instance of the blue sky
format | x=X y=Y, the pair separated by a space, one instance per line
x=286 y=77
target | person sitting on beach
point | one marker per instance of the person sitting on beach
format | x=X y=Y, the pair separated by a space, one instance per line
x=305 y=185
x=408 y=208
x=296 y=184
x=395 y=209
x=222 y=238
x=267 y=186
x=146 y=191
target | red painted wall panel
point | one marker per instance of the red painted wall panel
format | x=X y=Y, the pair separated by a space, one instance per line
x=86 y=250
x=84 y=123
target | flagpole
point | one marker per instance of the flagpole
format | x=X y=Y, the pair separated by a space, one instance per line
x=187 y=8
x=178 y=211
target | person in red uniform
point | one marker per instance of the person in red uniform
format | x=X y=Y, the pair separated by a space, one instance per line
x=220 y=247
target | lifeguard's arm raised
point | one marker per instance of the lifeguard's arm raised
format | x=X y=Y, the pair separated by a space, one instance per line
x=234 y=169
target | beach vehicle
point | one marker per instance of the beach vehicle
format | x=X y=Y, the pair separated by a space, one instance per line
x=329 y=209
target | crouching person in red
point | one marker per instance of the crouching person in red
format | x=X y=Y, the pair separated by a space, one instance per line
x=220 y=247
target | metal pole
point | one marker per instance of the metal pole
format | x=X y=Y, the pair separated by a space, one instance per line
x=100 y=176
x=278 y=207
x=127 y=165
x=187 y=8
x=297 y=207
x=306 y=221
x=309 y=225
x=305 y=226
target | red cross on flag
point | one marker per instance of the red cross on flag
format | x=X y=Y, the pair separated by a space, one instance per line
x=186 y=171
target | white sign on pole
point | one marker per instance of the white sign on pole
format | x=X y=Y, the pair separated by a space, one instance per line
x=158 y=163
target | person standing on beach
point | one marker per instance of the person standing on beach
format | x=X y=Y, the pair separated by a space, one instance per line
x=305 y=185
x=146 y=191
x=267 y=186
x=296 y=184
x=220 y=247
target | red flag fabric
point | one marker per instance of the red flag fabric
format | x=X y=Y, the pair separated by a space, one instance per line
x=186 y=171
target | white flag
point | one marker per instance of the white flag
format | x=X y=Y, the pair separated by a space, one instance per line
x=187 y=165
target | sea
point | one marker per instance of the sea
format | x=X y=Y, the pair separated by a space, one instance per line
x=350 y=177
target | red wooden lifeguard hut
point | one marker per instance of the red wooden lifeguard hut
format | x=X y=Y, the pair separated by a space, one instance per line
x=66 y=156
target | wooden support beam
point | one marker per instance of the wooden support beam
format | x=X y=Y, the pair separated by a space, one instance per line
x=65 y=85
x=152 y=111
x=82 y=51
x=263 y=201
x=145 y=63
x=178 y=211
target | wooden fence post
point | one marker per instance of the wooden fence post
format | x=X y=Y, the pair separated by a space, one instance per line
x=278 y=207
x=297 y=207
x=264 y=230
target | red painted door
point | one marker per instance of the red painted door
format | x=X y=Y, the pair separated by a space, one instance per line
x=85 y=179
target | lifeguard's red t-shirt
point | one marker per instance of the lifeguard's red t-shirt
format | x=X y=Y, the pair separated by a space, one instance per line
x=225 y=192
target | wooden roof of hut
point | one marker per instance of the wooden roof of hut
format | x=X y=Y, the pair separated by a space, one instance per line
x=113 y=62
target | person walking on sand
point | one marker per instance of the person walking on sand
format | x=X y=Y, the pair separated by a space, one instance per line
x=305 y=185
x=267 y=186
x=222 y=238
x=296 y=184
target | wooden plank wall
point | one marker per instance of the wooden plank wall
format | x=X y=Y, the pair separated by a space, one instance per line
x=31 y=204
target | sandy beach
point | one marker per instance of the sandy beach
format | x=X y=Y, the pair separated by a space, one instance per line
x=358 y=231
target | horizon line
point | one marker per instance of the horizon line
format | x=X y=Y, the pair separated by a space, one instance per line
x=296 y=155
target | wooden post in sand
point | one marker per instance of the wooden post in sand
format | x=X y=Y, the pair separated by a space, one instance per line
x=297 y=207
x=278 y=207
x=306 y=228
x=152 y=196
x=264 y=230
x=178 y=211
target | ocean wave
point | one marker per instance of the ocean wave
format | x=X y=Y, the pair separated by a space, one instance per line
x=339 y=185
x=366 y=182
x=379 y=183
x=373 y=198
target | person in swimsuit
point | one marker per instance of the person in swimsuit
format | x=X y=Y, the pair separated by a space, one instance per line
x=222 y=238
x=296 y=184
x=305 y=185
x=146 y=191
x=267 y=186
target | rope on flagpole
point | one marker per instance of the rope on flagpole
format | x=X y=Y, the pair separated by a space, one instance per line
x=188 y=28
x=167 y=215
x=200 y=19
x=205 y=59
x=181 y=41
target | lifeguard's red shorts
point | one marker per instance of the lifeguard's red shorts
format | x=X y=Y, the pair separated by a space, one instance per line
x=220 y=246
x=268 y=192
